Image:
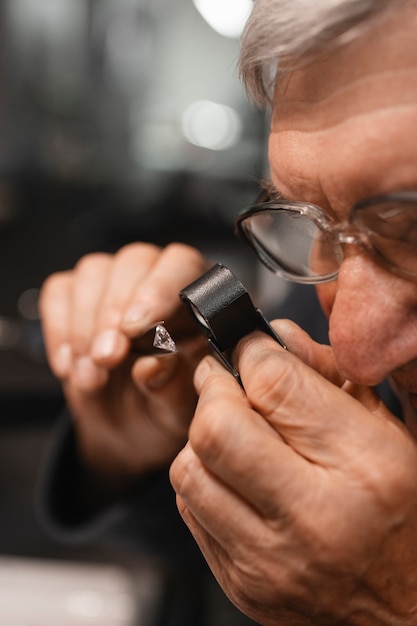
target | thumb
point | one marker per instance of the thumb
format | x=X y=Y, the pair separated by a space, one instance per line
x=320 y=358
x=317 y=356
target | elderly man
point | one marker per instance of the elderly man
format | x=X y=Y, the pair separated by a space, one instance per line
x=300 y=490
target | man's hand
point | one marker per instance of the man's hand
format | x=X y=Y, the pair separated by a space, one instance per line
x=301 y=491
x=131 y=413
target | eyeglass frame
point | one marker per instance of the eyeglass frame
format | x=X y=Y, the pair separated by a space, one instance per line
x=345 y=232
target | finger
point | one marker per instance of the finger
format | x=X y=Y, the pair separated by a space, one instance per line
x=232 y=572
x=321 y=358
x=90 y=277
x=54 y=307
x=240 y=447
x=130 y=265
x=319 y=420
x=203 y=495
x=325 y=435
x=156 y=297
x=318 y=356
x=215 y=554
x=165 y=382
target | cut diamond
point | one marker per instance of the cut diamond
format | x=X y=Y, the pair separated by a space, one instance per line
x=163 y=340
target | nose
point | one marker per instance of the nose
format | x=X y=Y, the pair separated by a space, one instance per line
x=373 y=321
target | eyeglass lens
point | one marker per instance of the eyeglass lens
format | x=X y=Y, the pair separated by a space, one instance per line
x=293 y=245
x=391 y=230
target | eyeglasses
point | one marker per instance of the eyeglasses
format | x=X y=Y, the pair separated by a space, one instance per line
x=301 y=242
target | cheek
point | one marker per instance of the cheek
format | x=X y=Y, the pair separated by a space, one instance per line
x=326 y=294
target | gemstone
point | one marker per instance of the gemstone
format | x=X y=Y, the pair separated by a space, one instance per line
x=163 y=340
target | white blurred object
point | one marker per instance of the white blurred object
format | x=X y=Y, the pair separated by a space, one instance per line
x=226 y=17
x=43 y=593
x=211 y=125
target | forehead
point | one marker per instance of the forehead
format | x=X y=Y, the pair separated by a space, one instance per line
x=343 y=127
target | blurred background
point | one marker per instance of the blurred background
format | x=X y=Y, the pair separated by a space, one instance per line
x=120 y=120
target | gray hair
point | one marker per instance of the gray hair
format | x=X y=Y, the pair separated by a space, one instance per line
x=296 y=29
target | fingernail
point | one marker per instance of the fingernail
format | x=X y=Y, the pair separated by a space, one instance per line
x=202 y=372
x=137 y=317
x=62 y=360
x=106 y=344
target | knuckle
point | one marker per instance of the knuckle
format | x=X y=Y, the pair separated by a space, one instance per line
x=182 y=507
x=181 y=472
x=53 y=287
x=53 y=281
x=177 y=247
x=92 y=264
x=181 y=249
x=136 y=250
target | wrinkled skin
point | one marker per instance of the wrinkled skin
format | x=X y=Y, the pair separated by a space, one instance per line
x=301 y=492
x=301 y=497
